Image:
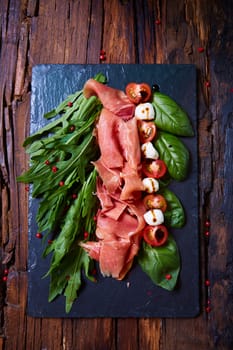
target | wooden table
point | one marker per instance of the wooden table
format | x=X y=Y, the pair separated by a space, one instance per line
x=57 y=31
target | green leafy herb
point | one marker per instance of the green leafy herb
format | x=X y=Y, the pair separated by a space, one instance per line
x=160 y=262
x=174 y=153
x=174 y=215
x=64 y=178
x=170 y=116
x=69 y=259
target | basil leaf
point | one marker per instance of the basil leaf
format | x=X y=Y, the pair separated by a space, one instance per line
x=174 y=153
x=170 y=116
x=174 y=216
x=157 y=262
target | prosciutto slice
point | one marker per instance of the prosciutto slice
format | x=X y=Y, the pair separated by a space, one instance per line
x=116 y=248
x=119 y=186
x=112 y=99
x=120 y=160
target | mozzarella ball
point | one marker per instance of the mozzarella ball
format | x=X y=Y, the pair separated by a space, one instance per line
x=150 y=184
x=154 y=217
x=149 y=151
x=145 y=111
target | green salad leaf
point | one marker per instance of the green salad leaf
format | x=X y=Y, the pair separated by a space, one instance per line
x=160 y=262
x=64 y=179
x=170 y=116
x=174 y=215
x=69 y=259
x=174 y=153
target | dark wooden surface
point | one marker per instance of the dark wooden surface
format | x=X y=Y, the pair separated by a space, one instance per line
x=58 y=31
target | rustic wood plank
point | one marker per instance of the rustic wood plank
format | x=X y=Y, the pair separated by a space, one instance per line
x=220 y=264
x=145 y=23
x=33 y=333
x=21 y=65
x=94 y=334
x=127 y=334
x=66 y=42
x=94 y=43
x=185 y=334
x=51 y=334
x=149 y=333
x=15 y=319
x=21 y=124
x=119 y=32
x=32 y=8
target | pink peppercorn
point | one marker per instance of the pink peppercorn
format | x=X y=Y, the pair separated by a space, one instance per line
x=39 y=235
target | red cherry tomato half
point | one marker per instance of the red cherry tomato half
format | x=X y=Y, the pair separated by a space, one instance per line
x=146 y=130
x=155 y=235
x=154 y=168
x=155 y=201
x=138 y=93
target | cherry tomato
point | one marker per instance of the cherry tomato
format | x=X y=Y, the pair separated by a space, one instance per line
x=155 y=235
x=154 y=168
x=147 y=130
x=138 y=93
x=155 y=201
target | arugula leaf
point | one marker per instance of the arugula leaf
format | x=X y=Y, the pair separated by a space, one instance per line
x=61 y=169
x=174 y=153
x=81 y=262
x=157 y=262
x=63 y=106
x=66 y=278
x=69 y=259
x=174 y=215
x=76 y=222
x=170 y=116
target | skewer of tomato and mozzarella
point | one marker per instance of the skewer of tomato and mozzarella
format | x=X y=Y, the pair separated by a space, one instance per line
x=153 y=168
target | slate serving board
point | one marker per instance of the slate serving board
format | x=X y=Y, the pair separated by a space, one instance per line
x=136 y=296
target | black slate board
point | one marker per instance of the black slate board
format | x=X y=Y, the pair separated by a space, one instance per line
x=136 y=296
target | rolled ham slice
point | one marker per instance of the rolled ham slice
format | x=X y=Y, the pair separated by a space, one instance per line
x=112 y=99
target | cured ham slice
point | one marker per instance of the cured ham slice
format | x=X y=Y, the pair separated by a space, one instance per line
x=120 y=218
x=112 y=99
x=108 y=139
x=129 y=141
x=111 y=177
x=120 y=160
x=132 y=183
x=119 y=225
x=116 y=257
x=116 y=247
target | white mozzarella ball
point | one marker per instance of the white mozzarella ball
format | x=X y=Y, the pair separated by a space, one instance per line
x=145 y=111
x=150 y=184
x=154 y=217
x=149 y=151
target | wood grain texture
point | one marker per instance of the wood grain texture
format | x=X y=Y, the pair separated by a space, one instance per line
x=72 y=31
